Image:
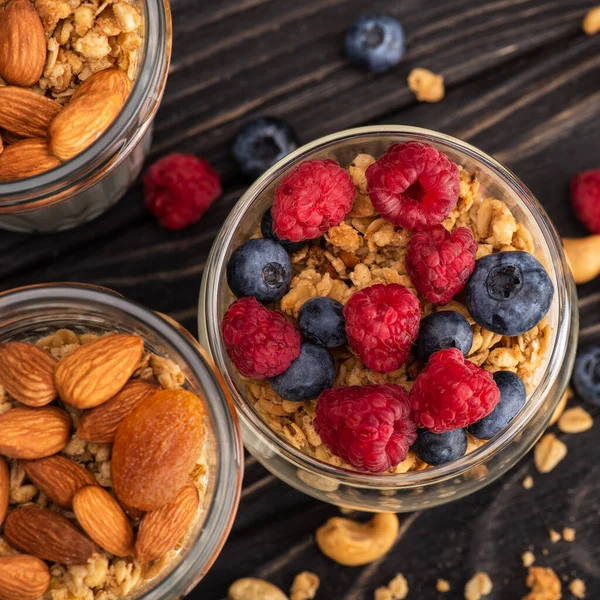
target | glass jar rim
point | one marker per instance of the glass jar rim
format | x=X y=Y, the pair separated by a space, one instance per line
x=105 y=153
x=209 y=325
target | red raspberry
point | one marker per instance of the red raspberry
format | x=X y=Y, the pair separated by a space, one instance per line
x=382 y=322
x=585 y=197
x=439 y=264
x=369 y=426
x=413 y=185
x=179 y=188
x=316 y=195
x=260 y=342
x=451 y=393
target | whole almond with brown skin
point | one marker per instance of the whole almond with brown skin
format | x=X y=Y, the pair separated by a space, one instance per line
x=94 y=373
x=59 y=478
x=26 y=158
x=103 y=520
x=47 y=535
x=4 y=488
x=23 y=577
x=27 y=373
x=82 y=122
x=31 y=433
x=162 y=529
x=22 y=43
x=100 y=424
x=107 y=81
x=156 y=448
x=26 y=113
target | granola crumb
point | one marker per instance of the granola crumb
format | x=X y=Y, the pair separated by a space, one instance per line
x=545 y=551
x=478 y=586
x=575 y=420
x=568 y=534
x=528 y=482
x=544 y=584
x=591 y=21
x=305 y=586
x=442 y=586
x=560 y=408
x=528 y=559
x=426 y=85
x=554 y=536
x=396 y=589
x=548 y=452
x=577 y=588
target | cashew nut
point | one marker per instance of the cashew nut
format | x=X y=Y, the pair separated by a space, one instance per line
x=250 y=588
x=352 y=544
x=583 y=255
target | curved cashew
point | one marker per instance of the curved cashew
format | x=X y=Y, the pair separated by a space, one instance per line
x=352 y=544
x=583 y=255
x=250 y=588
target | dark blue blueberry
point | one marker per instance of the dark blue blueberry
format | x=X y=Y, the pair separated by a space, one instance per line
x=586 y=376
x=259 y=268
x=309 y=375
x=259 y=144
x=321 y=320
x=512 y=399
x=439 y=448
x=509 y=292
x=375 y=42
x=266 y=228
x=441 y=330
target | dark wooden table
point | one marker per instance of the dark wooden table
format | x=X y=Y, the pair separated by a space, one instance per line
x=523 y=83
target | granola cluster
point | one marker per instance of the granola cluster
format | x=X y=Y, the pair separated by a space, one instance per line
x=365 y=250
x=104 y=577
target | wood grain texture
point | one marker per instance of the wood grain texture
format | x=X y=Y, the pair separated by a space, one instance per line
x=522 y=84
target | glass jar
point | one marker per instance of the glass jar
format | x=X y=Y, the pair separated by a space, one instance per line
x=89 y=184
x=433 y=486
x=32 y=312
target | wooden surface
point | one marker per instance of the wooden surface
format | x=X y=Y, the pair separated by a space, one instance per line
x=523 y=83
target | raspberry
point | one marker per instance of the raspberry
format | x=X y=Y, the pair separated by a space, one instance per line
x=382 y=321
x=179 y=188
x=439 y=264
x=315 y=196
x=585 y=198
x=369 y=426
x=413 y=185
x=260 y=342
x=451 y=393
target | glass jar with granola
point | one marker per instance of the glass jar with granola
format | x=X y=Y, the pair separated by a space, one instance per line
x=120 y=458
x=405 y=320
x=80 y=83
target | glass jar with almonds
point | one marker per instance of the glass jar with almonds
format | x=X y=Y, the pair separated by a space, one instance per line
x=120 y=458
x=80 y=83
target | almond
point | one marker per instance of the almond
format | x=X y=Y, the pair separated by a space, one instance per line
x=26 y=158
x=47 y=535
x=4 y=488
x=59 y=478
x=94 y=373
x=162 y=529
x=156 y=448
x=27 y=373
x=26 y=113
x=23 y=577
x=22 y=44
x=82 y=122
x=107 y=81
x=100 y=424
x=104 y=520
x=33 y=432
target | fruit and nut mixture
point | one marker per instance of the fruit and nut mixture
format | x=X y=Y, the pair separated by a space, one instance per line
x=390 y=316
x=66 y=70
x=102 y=466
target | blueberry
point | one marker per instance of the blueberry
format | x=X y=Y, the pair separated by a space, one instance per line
x=512 y=399
x=321 y=320
x=375 y=42
x=439 y=448
x=259 y=144
x=259 y=268
x=509 y=292
x=586 y=376
x=441 y=330
x=309 y=375
x=266 y=228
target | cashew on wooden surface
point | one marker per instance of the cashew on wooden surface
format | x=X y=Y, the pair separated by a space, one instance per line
x=583 y=255
x=352 y=544
x=250 y=588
